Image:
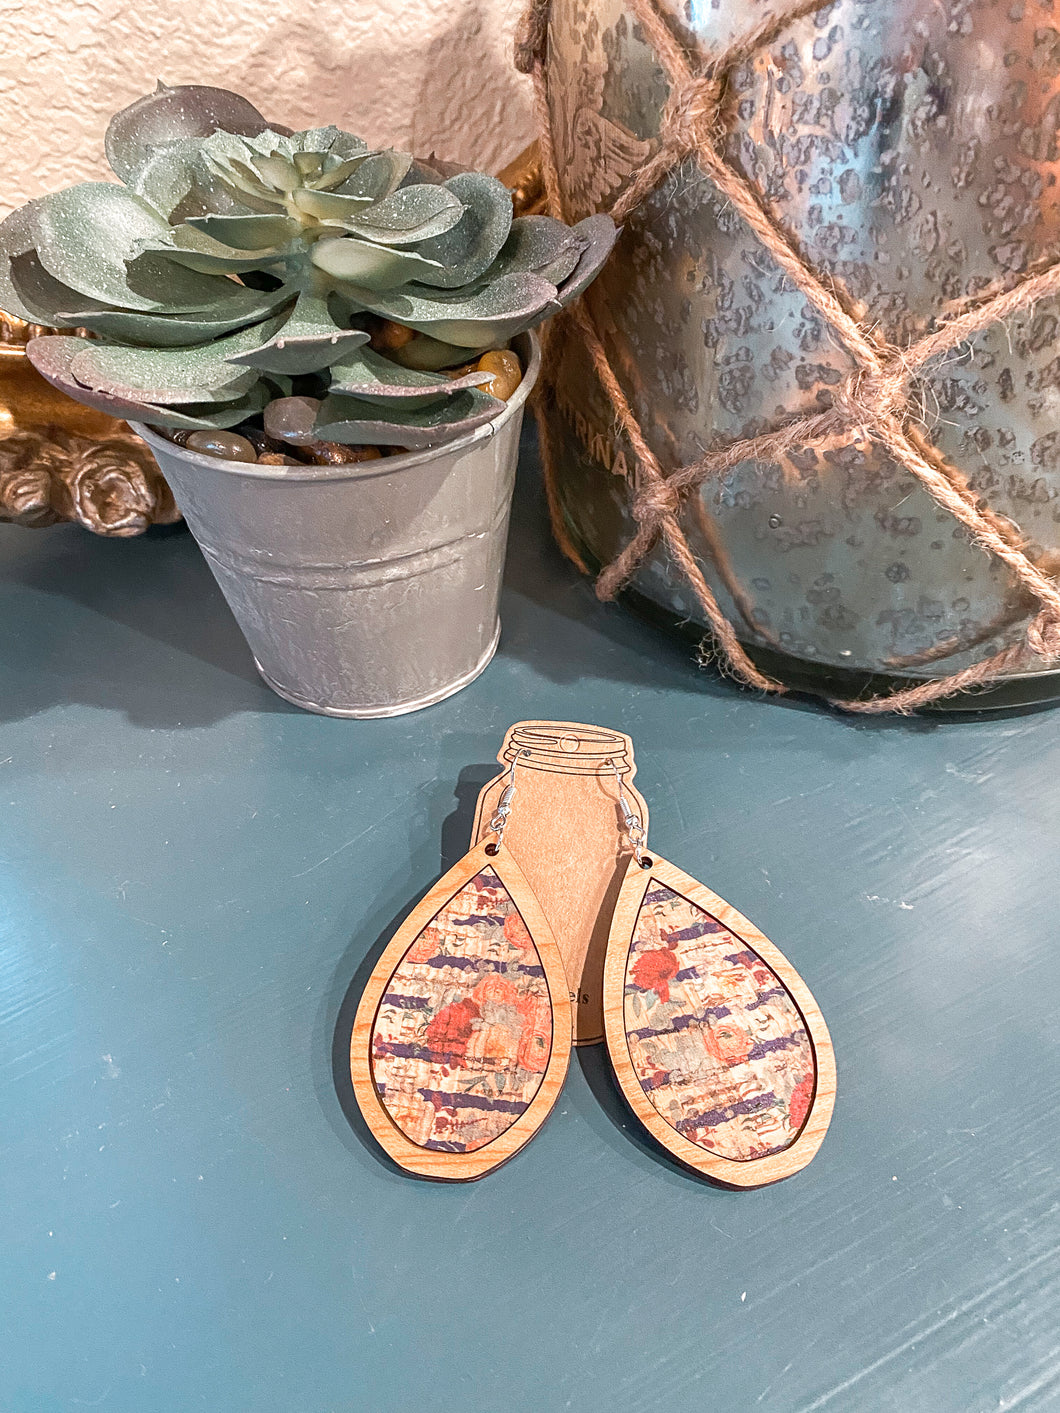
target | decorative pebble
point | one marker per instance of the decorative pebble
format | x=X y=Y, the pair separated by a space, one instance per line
x=506 y=369
x=228 y=446
x=291 y=419
x=276 y=458
x=388 y=336
x=260 y=441
x=503 y=366
x=336 y=454
x=175 y=434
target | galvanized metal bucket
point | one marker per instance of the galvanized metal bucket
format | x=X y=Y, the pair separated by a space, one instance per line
x=364 y=590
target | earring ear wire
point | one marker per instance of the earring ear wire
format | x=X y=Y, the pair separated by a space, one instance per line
x=637 y=834
x=499 y=821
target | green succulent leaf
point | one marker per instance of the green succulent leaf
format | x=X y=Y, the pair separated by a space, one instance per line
x=539 y=245
x=260 y=232
x=177 y=183
x=490 y=313
x=45 y=301
x=169 y=114
x=168 y=176
x=337 y=170
x=207 y=417
x=308 y=341
x=197 y=251
x=309 y=142
x=245 y=307
x=330 y=205
x=28 y=291
x=467 y=251
x=599 y=234
x=17 y=236
x=278 y=172
x=369 y=377
x=362 y=262
x=376 y=175
x=310 y=164
x=88 y=238
x=170 y=375
x=354 y=422
x=229 y=158
x=53 y=356
x=346 y=147
x=409 y=215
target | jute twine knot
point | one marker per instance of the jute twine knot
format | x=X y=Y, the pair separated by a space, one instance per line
x=530 y=36
x=870 y=394
x=656 y=500
x=691 y=119
x=1043 y=635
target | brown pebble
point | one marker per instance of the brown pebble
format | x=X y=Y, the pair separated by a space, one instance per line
x=175 y=434
x=277 y=458
x=388 y=336
x=506 y=370
x=227 y=446
x=337 y=454
x=260 y=440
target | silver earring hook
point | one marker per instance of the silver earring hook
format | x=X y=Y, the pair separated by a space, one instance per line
x=499 y=822
x=638 y=835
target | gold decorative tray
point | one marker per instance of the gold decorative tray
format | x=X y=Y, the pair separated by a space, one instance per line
x=62 y=461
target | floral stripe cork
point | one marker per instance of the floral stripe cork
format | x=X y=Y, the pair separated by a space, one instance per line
x=463 y=1033
x=717 y=1043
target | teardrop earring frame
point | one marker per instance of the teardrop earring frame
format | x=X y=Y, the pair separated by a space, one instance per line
x=432 y=1163
x=642 y=870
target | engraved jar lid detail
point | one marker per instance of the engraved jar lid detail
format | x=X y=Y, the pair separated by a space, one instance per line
x=570 y=748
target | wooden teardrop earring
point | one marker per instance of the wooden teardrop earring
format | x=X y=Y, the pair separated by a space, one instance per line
x=462 y=1037
x=715 y=1039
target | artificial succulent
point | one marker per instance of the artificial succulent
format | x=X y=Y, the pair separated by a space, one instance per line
x=241 y=263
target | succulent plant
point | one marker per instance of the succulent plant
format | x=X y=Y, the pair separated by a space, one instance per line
x=240 y=263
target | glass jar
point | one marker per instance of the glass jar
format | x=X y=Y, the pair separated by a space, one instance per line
x=911 y=152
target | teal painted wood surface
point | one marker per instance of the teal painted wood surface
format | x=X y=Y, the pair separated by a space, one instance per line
x=192 y=876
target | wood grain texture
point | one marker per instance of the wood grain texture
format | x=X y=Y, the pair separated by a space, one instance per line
x=566 y=834
x=748 y=1172
x=393 y=1132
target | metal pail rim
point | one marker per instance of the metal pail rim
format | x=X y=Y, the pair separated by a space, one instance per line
x=359 y=470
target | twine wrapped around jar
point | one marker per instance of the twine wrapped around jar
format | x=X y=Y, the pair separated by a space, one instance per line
x=875 y=401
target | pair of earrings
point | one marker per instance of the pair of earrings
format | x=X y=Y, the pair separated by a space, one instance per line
x=463 y=1034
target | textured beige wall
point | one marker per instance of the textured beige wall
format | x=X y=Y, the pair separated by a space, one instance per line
x=420 y=74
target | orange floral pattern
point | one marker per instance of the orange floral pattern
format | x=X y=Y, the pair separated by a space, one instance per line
x=463 y=1034
x=717 y=1043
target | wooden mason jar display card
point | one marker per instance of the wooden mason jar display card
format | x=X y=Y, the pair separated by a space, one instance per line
x=559 y=927
x=566 y=836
